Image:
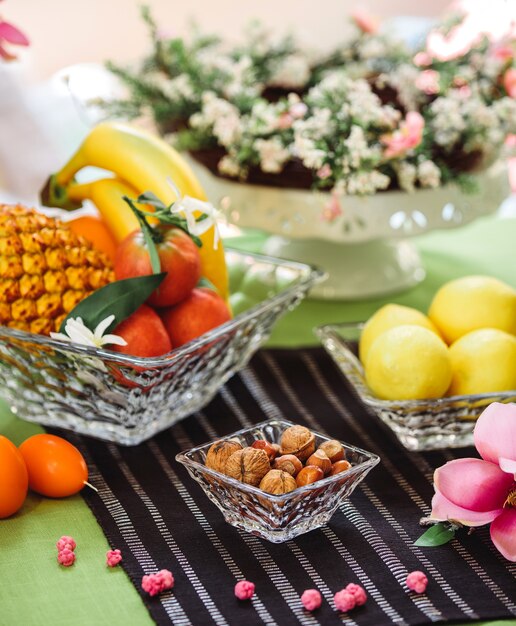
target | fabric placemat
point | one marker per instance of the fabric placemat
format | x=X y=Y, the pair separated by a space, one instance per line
x=150 y=508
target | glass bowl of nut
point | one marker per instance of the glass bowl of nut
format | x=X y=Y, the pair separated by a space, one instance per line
x=277 y=479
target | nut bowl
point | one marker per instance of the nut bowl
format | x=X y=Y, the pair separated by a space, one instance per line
x=127 y=399
x=276 y=518
x=419 y=424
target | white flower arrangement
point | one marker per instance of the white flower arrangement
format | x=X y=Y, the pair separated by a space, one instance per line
x=368 y=117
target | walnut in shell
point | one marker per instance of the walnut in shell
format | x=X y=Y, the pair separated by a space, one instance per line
x=278 y=482
x=298 y=440
x=248 y=465
x=219 y=453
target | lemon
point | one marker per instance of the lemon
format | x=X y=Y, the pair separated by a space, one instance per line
x=483 y=361
x=473 y=302
x=389 y=316
x=408 y=363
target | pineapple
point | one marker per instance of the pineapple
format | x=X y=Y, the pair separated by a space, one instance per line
x=45 y=270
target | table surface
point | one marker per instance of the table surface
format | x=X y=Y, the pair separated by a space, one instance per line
x=36 y=591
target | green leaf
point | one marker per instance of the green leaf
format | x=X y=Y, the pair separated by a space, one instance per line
x=149 y=198
x=120 y=299
x=147 y=235
x=437 y=535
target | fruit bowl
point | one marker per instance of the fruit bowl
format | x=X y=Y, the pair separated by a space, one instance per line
x=276 y=518
x=419 y=424
x=127 y=399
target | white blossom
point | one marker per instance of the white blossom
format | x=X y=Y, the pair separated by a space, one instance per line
x=428 y=174
x=77 y=332
x=293 y=71
x=273 y=154
x=406 y=173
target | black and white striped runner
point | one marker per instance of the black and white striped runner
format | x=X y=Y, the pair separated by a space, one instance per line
x=156 y=514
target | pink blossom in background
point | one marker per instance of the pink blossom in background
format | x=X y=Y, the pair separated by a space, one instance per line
x=10 y=35
x=298 y=110
x=509 y=82
x=332 y=210
x=503 y=52
x=428 y=82
x=285 y=121
x=366 y=22
x=422 y=59
x=407 y=137
x=324 y=172
x=482 y=491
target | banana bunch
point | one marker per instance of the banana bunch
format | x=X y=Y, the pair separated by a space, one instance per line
x=139 y=162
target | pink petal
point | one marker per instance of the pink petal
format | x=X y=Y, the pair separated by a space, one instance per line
x=473 y=484
x=443 y=510
x=12 y=34
x=495 y=432
x=503 y=533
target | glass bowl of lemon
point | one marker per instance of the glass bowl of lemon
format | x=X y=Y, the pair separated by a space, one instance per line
x=429 y=377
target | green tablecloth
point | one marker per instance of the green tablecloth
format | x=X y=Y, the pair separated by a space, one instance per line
x=36 y=591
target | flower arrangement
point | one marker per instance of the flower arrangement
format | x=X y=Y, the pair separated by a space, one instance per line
x=472 y=492
x=367 y=117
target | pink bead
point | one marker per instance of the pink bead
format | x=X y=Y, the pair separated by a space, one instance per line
x=417 y=581
x=244 y=590
x=66 y=542
x=344 y=601
x=66 y=557
x=113 y=557
x=358 y=593
x=158 y=582
x=311 y=599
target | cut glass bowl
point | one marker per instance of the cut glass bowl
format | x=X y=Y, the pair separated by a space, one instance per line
x=276 y=518
x=128 y=399
x=419 y=424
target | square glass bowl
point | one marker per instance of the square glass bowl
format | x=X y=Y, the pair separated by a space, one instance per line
x=276 y=518
x=128 y=399
x=419 y=424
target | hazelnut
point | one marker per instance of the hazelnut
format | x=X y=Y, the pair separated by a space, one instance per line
x=248 y=465
x=298 y=440
x=308 y=475
x=333 y=449
x=340 y=466
x=268 y=448
x=288 y=463
x=277 y=482
x=219 y=453
x=319 y=459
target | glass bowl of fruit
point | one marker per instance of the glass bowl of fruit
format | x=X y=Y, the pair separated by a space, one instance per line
x=277 y=480
x=419 y=424
x=97 y=391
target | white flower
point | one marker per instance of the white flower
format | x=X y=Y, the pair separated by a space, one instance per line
x=406 y=173
x=179 y=88
x=292 y=71
x=272 y=154
x=429 y=175
x=188 y=206
x=228 y=166
x=77 y=332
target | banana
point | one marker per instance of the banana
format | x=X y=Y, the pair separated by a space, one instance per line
x=107 y=195
x=140 y=162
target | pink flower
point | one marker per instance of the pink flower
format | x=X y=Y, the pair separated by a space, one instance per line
x=421 y=59
x=113 y=558
x=502 y=52
x=244 y=590
x=332 y=210
x=324 y=172
x=344 y=601
x=509 y=82
x=285 y=121
x=358 y=592
x=408 y=136
x=417 y=581
x=428 y=82
x=482 y=491
x=311 y=599
x=11 y=35
x=158 y=582
x=367 y=23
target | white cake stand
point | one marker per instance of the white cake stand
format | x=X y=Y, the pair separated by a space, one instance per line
x=365 y=249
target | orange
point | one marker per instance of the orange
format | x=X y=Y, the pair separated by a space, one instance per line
x=96 y=232
x=14 y=480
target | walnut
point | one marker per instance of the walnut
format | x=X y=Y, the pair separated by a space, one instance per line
x=248 y=465
x=298 y=440
x=288 y=463
x=219 y=453
x=277 y=482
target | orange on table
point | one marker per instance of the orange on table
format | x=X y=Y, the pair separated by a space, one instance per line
x=96 y=232
x=14 y=479
x=56 y=468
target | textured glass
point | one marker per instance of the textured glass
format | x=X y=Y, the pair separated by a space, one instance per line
x=127 y=399
x=419 y=424
x=276 y=518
